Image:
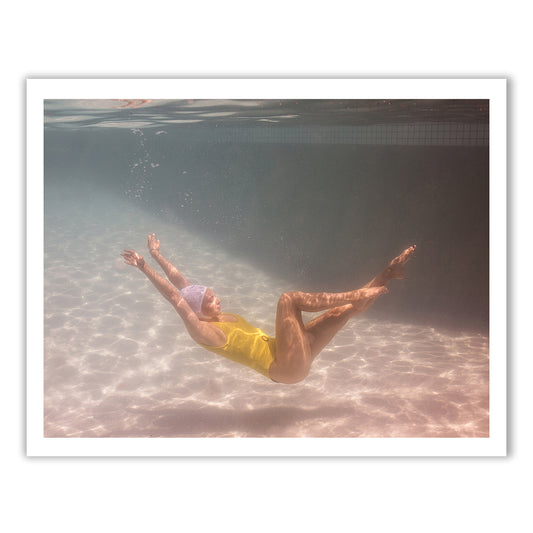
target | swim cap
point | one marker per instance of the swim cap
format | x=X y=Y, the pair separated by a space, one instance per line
x=194 y=296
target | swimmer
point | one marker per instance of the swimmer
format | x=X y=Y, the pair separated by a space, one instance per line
x=287 y=358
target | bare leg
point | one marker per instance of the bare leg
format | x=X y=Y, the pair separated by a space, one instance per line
x=294 y=343
x=323 y=328
x=320 y=301
x=299 y=344
x=394 y=270
x=326 y=326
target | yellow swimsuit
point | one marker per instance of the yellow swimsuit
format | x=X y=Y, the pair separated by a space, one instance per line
x=246 y=344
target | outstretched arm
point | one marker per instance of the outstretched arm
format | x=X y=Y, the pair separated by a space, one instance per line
x=173 y=274
x=200 y=331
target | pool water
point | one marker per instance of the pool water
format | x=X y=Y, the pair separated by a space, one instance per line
x=253 y=218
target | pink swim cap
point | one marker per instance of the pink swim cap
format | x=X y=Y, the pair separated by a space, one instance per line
x=194 y=296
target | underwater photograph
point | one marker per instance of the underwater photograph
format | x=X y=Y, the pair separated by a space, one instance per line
x=266 y=268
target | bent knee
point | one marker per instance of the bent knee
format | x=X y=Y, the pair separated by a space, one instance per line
x=285 y=298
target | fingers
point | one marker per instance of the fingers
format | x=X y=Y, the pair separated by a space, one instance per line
x=153 y=243
x=131 y=257
x=128 y=259
x=132 y=253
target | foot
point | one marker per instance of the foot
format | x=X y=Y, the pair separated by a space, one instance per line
x=396 y=269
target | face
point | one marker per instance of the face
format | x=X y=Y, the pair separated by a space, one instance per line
x=210 y=304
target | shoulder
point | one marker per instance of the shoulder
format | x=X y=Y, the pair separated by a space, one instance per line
x=213 y=333
x=200 y=331
x=207 y=333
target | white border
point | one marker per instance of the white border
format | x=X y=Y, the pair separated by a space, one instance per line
x=493 y=89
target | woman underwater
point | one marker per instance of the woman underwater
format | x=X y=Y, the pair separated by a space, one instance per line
x=287 y=358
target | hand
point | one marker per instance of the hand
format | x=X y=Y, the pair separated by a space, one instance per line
x=153 y=243
x=133 y=258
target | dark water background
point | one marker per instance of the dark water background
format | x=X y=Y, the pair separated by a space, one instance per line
x=321 y=193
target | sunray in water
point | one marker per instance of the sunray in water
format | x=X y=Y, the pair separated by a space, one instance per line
x=118 y=362
x=255 y=220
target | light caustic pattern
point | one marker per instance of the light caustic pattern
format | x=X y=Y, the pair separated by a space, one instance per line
x=119 y=363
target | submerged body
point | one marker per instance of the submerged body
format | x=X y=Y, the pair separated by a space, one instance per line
x=245 y=344
x=287 y=358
